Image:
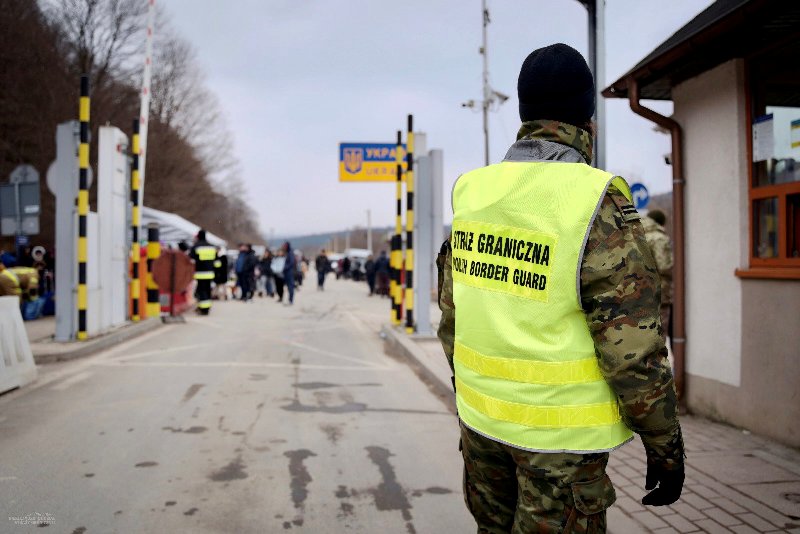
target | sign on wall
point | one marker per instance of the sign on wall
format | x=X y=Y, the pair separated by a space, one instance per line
x=369 y=162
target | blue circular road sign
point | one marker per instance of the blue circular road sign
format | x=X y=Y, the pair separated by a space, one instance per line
x=640 y=196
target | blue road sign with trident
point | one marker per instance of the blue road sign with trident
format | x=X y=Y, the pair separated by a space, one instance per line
x=640 y=196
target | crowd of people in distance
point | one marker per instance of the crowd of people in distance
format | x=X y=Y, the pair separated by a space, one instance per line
x=374 y=271
x=274 y=274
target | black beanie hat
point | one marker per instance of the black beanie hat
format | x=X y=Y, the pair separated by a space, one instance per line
x=555 y=83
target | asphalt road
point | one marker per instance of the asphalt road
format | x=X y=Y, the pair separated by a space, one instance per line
x=259 y=418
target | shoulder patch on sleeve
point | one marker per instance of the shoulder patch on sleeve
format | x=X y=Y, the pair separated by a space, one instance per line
x=624 y=206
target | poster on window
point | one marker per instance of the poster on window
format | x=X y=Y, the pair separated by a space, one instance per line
x=763 y=138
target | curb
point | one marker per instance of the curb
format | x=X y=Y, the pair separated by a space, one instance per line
x=52 y=351
x=402 y=347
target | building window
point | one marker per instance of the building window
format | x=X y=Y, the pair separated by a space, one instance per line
x=765 y=215
x=774 y=191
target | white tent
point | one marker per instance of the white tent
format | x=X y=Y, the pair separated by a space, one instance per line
x=173 y=228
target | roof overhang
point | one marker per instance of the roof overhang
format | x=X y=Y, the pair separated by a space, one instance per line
x=727 y=29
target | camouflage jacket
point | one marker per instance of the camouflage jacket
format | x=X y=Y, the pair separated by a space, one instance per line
x=661 y=248
x=620 y=291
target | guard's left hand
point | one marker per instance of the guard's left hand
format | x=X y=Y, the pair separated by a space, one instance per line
x=666 y=484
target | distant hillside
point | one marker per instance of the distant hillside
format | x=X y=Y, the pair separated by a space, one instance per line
x=311 y=244
x=337 y=241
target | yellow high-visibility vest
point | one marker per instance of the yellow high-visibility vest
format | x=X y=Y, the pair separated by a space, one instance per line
x=8 y=273
x=525 y=364
x=28 y=281
x=204 y=268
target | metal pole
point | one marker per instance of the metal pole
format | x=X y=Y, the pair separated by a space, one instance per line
x=410 y=226
x=18 y=229
x=436 y=157
x=144 y=109
x=424 y=249
x=153 y=252
x=486 y=90
x=395 y=291
x=369 y=231
x=135 y=223
x=596 y=27
x=172 y=258
x=83 y=205
x=600 y=80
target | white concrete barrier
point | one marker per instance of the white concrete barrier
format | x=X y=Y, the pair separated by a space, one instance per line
x=17 y=367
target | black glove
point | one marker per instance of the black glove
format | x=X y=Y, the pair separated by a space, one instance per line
x=669 y=482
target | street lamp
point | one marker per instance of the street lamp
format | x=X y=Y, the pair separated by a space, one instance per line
x=597 y=62
x=490 y=96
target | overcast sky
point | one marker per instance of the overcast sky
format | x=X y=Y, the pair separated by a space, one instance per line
x=295 y=78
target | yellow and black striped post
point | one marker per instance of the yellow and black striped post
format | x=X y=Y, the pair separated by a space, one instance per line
x=153 y=252
x=410 y=227
x=396 y=258
x=135 y=248
x=83 y=205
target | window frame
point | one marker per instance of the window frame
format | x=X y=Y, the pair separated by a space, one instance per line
x=781 y=267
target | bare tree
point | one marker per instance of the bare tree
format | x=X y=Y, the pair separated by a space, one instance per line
x=102 y=37
x=191 y=166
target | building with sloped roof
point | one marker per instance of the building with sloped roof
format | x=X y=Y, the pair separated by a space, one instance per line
x=732 y=75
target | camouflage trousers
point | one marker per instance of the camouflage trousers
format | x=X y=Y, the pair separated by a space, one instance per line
x=509 y=490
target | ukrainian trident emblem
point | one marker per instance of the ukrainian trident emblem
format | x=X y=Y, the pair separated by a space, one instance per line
x=353 y=159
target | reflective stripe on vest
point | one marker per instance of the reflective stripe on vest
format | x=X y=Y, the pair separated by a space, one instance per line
x=206 y=253
x=204 y=275
x=526 y=370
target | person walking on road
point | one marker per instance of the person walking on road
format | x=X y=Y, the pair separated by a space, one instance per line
x=345 y=263
x=221 y=276
x=382 y=274
x=550 y=314
x=661 y=248
x=278 y=262
x=265 y=275
x=322 y=266
x=204 y=255
x=289 y=268
x=370 y=272
x=238 y=268
x=245 y=271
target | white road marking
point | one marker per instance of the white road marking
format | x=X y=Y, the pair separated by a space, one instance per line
x=71 y=381
x=333 y=354
x=317 y=329
x=156 y=352
x=109 y=353
x=4 y=479
x=118 y=363
x=358 y=323
x=198 y=321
